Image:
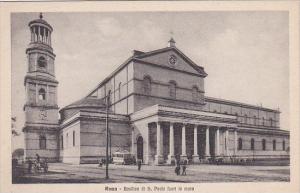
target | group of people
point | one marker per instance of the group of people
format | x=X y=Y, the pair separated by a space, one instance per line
x=37 y=164
x=181 y=165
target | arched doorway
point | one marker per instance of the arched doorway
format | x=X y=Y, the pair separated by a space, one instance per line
x=139 y=145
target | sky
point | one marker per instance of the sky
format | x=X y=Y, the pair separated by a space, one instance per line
x=245 y=54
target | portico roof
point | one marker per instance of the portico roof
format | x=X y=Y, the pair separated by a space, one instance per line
x=158 y=113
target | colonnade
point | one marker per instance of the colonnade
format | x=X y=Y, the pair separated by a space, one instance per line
x=40 y=34
x=171 y=156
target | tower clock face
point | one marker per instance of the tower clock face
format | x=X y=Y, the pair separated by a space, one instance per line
x=43 y=114
x=172 y=59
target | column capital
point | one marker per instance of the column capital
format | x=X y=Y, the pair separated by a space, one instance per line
x=159 y=122
x=184 y=124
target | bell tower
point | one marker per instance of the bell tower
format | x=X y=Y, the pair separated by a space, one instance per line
x=41 y=110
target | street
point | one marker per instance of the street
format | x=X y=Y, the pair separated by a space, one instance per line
x=91 y=173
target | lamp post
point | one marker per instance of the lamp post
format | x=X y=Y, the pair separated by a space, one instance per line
x=106 y=121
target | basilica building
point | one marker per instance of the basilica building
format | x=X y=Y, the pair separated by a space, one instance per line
x=157 y=108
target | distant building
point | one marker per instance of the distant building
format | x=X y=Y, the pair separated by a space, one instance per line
x=158 y=111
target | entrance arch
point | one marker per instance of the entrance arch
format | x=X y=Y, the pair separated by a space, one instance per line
x=139 y=145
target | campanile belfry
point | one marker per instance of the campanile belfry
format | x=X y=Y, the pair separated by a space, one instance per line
x=41 y=109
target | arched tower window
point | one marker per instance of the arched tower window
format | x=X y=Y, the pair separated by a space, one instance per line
x=263 y=144
x=42 y=142
x=195 y=94
x=147 y=85
x=42 y=62
x=240 y=144
x=42 y=94
x=252 y=144
x=172 y=89
x=263 y=121
x=283 y=145
x=274 y=145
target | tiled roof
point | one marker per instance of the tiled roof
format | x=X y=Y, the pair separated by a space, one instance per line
x=92 y=102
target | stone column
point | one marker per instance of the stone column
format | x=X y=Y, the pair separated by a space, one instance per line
x=183 y=143
x=171 y=142
x=218 y=142
x=196 y=156
x=227 y=143
x=39 y=33
x=31 y=37
x=235 y=142
x=158 y=157
x=207 y=149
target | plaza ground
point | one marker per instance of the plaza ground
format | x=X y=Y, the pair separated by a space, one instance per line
x=91 y=173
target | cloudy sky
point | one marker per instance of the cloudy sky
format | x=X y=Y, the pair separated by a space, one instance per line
x=244 y=53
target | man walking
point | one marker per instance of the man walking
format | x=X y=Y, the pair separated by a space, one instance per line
x=184 y=167
x=177 y=168
x=139 y=162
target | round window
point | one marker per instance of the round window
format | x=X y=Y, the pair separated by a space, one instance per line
x=172 y=59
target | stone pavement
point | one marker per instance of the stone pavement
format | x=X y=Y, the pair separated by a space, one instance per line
x=91 y=173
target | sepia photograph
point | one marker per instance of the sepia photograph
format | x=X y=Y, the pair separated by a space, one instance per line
x=143 y=97
x=155 y=97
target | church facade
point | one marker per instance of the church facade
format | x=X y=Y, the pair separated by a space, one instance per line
x=157 y=108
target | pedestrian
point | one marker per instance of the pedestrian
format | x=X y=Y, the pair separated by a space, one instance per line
x=184 y=167
x=100 y=163
x=37 y=158
x=177 y=168
x=29 y=166
x=139 y=162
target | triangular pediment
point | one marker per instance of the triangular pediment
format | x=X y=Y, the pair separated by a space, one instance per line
x=171 y=57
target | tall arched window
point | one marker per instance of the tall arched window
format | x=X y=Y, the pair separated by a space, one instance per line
x=119 y=90
x=108 y=98
x=73 y=138
x=271 y=122
x=62 y=142
x=263 y=121
x=245 y=119
x=274 y=145
x=67 y=140
x=263 y=144
x=42 y=142
x=42 y=94
x=195 y=94
x=240 y=145
x=254 y=120
x=283 y=145
x=172 y=89
x=147 y=85
x=252 y=144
